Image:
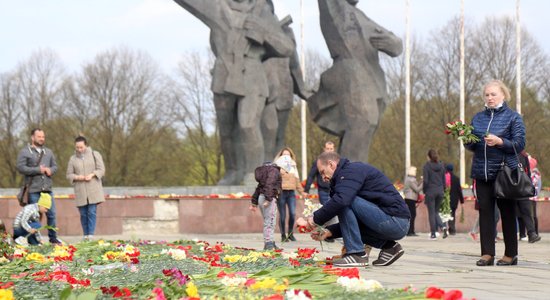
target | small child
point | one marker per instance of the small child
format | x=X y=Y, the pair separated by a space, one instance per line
x=265 y=196
x=27 y=221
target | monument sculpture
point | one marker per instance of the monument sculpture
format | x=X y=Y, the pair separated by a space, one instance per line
x=285 y=79
x=352 y=95
x=243 y=34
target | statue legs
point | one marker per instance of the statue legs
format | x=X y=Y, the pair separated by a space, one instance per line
x=269 y=127
x=226 y=115
x=250 y=110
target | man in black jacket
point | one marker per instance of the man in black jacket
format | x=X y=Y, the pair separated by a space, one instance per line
x=323 y=188
x=369 y=208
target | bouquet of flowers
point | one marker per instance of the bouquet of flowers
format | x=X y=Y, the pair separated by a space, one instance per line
x=461 y=131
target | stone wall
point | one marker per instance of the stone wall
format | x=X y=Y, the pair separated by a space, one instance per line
x=138 y=214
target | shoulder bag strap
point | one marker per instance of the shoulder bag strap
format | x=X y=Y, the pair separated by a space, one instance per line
x=38 y=164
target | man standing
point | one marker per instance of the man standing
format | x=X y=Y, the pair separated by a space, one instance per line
x=37 y=164
x=369 y=208
x=322 y=187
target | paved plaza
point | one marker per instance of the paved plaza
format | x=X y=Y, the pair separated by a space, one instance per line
x=448 y=263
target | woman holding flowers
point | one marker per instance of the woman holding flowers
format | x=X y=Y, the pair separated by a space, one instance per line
x=84 y=171
x=499 y=129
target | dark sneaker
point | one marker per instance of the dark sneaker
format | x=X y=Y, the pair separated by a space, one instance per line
x=291 y=237
x=386 y=257
x=56 y=241
x=351 y=260
x=433 y=237
x=284 y=238
x=445 y=233
x=534 y=238
x=329 y=240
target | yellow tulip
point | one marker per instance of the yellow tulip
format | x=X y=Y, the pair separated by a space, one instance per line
x=6 y=294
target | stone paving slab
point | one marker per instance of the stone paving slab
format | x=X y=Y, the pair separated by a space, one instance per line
x=448 y=263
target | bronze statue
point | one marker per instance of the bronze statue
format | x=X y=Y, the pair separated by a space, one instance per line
x=352 y=94
x=243 y=33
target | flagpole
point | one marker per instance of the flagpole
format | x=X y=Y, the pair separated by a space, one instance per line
x=518 y=58
x=303 y=102
x=407 y=88
x=462 y=95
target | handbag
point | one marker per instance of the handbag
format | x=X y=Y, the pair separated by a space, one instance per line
x=23 y=195
x=513 y=184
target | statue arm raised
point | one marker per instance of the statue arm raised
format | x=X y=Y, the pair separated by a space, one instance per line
x=267 y=31
x=385 y=41
x=206 y=11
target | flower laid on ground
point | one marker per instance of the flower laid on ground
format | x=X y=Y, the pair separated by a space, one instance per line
x=176 y=254
x=437 y=293
x=359 y=284
x=103 y=270
x=461 y=131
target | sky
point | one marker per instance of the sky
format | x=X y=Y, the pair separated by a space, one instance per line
x=77 y=30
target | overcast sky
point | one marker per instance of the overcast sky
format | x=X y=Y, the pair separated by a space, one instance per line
x=79 y=29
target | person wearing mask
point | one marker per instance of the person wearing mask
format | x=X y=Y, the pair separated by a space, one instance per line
x=433 y=185
x=286 y=160
x=412 y=191
x=501 y=133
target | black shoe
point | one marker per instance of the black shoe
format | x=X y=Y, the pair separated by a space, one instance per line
x=445 y=233
x=387 y=257
x=351 y=260
x=484 y=262
x=291 y=237
x=412 y=234
x=534 y=238
x=513 y=262
x=329 y=240
x=284 y=238
x=433 y=237
x=55 y=241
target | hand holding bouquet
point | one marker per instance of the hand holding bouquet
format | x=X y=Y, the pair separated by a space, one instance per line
x=462 y=131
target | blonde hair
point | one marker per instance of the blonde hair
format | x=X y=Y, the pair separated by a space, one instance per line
x=411 y=171
x=498 y=83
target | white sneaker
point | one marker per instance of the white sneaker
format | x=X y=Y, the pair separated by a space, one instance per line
x=524 y=239
x=21 y=241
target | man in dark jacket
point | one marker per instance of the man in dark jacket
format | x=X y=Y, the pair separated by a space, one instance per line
x=37 y=164
x=455 y=195
x=369 y=208
x=323 y=188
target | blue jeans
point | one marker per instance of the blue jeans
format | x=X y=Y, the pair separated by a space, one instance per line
x=88 y=218
x=323 y=197
x=20 y=231
x=287 y=198
x=365 y=223
x=50 y=215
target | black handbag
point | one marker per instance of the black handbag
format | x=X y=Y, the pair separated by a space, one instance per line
x=513 y=184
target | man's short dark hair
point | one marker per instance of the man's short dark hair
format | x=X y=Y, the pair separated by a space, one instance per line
x=81 y=139
x=326 y=156
x=34 y=130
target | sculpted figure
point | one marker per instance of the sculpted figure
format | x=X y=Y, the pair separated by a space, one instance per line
x=352 y=94
x=243 y=33
x=285 y=79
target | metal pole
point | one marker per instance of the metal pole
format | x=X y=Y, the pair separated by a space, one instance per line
x=407 y=88
x=462 y=95
x=303 y=102
x=518 y=59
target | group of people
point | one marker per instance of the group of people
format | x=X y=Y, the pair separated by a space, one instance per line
x=372 y=212
x=38 y=165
